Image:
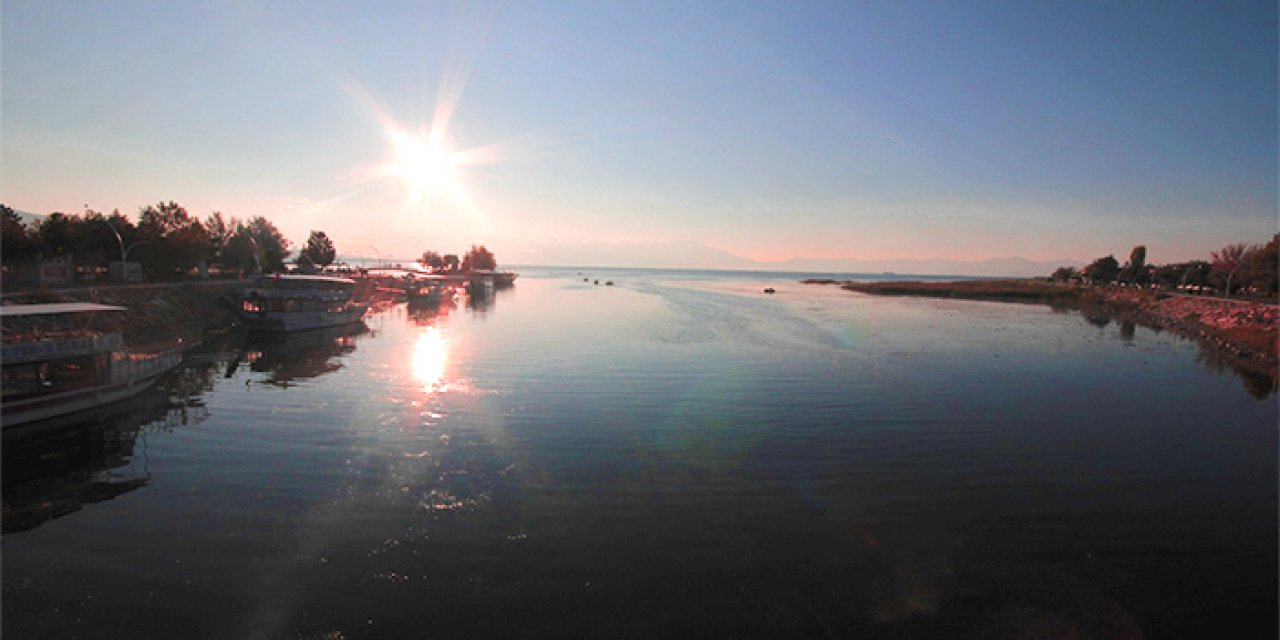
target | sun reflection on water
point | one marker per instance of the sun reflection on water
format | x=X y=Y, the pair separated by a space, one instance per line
x=430 y=359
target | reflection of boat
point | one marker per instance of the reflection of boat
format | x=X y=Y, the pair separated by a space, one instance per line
x=51 y=369
x=54 y=473
x=480 y=286
x=504 y=278
x=297 y=302
x=429 y=314
x=286 y=358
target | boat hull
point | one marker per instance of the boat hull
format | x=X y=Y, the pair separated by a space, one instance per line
x=129 y=379
x=302 y=320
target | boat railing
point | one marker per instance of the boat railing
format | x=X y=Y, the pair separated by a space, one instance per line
x=47 y=347
x=35 y=335
x=299 y=293
x=133 y=366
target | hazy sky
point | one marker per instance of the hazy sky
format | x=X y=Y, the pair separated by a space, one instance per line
x=870 y=130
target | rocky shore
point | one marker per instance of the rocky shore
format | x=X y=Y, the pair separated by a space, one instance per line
x=1245 y=329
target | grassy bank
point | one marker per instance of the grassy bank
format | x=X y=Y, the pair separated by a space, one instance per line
x=995 y=290
x=158 y=315
x=1245 y=329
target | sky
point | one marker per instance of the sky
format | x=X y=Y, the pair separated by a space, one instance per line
x=865 y=130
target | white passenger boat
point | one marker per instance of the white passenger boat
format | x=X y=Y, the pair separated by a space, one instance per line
x=54 y=365
x=298 y=303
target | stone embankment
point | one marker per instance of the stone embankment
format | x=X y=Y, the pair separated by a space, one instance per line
x=1247 y=329
x=159 y=315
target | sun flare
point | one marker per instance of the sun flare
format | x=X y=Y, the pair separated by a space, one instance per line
x=425 y=165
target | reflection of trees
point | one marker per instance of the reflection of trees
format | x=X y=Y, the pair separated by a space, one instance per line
x=185 y=388
x=1259 y=380
x=68 y=464
x=480 y=299
x=1127 y=330
x=1096 y=317
x=286 y=358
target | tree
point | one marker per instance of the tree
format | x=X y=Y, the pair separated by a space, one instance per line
x=94 y=241
x=19 y=245
x=175 y=240
x=450 y=261
x=55 y=234
x=220 y=231
x=479 y=259
x=155 y=222
x=1104 y=269
x=241 y=253
x=1065 y=274
x=1135 y=271
x=431 y=259
x=1229 y=259
x=1263 y=268
x=269 y=244
x=318 y=251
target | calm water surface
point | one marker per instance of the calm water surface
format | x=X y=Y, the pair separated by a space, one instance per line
x=674 y=456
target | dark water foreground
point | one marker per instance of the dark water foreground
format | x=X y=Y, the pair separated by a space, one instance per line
x=675 y=456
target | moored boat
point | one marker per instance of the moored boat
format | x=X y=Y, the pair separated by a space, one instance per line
x=499 y=279
x=428 y=289
x=299 y=302
x=54 y=365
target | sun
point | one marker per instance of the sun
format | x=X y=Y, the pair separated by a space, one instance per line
x=426 y=165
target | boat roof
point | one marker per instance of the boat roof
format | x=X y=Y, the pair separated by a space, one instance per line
x=17 y=310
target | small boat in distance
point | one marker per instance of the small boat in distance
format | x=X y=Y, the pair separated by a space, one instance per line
x=427 y=290
x=55 y=366
x=298 y=302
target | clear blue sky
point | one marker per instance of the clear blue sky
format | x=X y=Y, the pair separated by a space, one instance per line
x=866 y=130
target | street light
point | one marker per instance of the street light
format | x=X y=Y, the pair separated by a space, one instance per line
x=124 y=253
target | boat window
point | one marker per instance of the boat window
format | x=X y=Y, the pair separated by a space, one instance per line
x=55 y=376
x=69 y=373
x=20 y=381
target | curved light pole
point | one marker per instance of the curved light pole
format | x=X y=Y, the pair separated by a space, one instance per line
x=124 y=253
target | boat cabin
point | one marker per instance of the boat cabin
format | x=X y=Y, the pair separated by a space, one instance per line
x=48 y=349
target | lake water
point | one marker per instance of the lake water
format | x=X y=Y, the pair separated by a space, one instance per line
x=678 y=455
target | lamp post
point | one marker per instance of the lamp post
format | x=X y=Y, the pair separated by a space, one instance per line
x=124 y=253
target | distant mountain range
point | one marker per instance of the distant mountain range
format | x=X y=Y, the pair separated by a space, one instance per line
x=1014 y=266
x=696 y=255
x=29 y=218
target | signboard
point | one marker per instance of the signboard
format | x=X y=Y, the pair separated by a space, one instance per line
x=55 y=273
x=132 y=271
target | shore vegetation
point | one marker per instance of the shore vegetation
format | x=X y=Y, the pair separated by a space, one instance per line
x=167 y=241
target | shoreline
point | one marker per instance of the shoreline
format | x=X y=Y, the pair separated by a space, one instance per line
x=1246 y=330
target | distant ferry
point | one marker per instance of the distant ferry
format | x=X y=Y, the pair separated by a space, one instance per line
x=298 y=303
x=54 y=366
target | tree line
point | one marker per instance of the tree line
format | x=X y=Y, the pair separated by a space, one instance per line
x=167 y=241
x=1236 y=268
x=478 y=258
